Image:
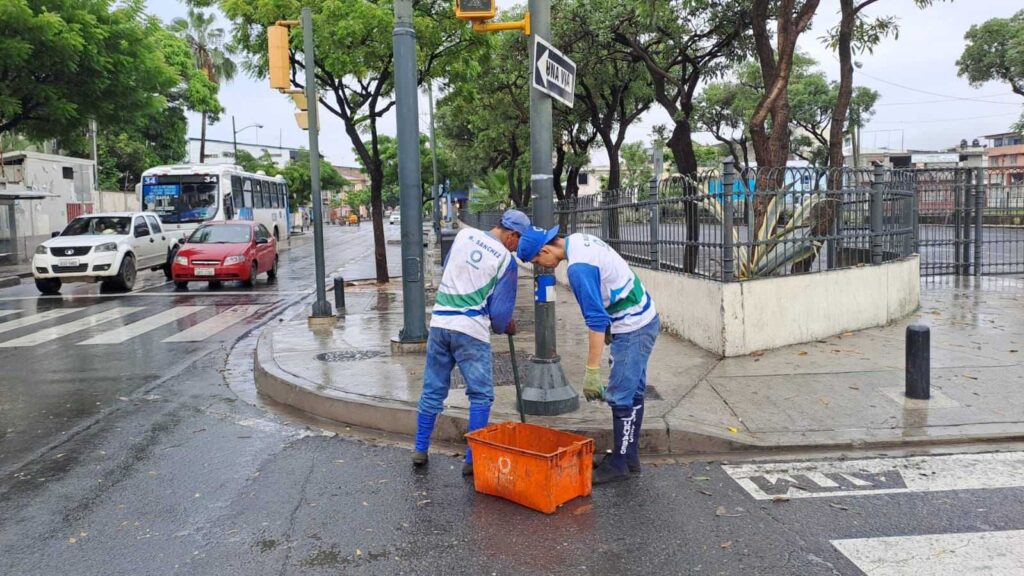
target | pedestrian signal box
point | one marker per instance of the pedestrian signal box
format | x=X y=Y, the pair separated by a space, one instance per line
x=475 y=10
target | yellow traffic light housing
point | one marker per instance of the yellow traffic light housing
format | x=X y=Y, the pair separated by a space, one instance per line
x=300 y=101
x=277 y=56
x=475 y=10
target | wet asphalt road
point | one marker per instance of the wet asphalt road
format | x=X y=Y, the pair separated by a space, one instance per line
x=144 y=457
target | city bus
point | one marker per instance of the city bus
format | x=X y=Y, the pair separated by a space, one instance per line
x=185 y=196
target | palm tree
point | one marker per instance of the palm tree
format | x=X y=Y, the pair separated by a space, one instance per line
x=208 y=50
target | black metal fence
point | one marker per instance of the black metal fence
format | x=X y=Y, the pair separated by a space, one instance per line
x=962 y=221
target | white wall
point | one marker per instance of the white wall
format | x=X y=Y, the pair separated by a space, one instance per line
x=737 y=318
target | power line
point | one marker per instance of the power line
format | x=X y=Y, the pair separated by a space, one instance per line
x=929 y=93
x=944 y=100
x=943 y=119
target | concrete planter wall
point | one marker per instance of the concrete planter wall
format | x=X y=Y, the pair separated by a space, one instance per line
x=734 y=319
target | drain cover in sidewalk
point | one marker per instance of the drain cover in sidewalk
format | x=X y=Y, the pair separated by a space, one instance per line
x=348 y=355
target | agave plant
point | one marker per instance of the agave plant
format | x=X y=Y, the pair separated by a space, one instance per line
x=776 y=244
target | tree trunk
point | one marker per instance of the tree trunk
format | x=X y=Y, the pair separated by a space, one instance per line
x=380 y=253
x=202 y=141
x=681 y=145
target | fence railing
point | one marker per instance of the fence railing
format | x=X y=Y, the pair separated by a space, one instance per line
x=962 y=221
x=728 y=226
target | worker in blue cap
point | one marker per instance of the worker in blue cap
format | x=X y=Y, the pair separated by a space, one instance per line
x=615 y=306
x=477 y=295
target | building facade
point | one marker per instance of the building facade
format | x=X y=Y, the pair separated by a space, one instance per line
x=223 y=152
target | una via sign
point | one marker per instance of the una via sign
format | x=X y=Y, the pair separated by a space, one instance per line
x=553 y=73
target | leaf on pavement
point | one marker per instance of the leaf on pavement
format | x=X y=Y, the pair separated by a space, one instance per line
x=705 y=492
x=733 y=429
x=725 y=545
x=422 y=502
x=757 y=354
x=582 y=509
x=701 y=479
x=724 y=512
x=838 y=506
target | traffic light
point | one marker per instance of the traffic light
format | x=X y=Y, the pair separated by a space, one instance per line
x=475 y=10
x=277 y=55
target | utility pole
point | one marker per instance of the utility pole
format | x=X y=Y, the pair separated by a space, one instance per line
x=436 y=187
x=547 y=391
x=234 y=138
x=413 y=335
x=321 y=308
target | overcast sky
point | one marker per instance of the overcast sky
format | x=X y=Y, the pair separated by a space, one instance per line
x=923 y=105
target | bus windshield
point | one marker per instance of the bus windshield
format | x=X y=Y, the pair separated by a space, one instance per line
x=181 y=199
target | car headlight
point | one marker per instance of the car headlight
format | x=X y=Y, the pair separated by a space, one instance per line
x=183 y=260
x=40 y=249
x=108 y=247
x=233 y=260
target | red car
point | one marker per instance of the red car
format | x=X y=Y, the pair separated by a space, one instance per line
x=219 y=251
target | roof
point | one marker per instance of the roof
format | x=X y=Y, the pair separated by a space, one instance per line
x=26 y=154
x=25 y=195
x=991 y=136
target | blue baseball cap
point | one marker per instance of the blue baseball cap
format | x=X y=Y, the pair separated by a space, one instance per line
x=515 y=221
x=533 y=240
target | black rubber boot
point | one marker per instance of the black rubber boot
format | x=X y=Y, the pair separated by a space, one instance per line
x=614 y=468
x=633 y=455
x=467 y=468
x=419 y=458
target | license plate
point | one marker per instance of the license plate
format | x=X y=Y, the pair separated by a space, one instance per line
x=67 y=262
x=204 y=271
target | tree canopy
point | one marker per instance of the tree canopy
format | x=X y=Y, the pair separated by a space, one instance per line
x=65 y=62
x=995 y=53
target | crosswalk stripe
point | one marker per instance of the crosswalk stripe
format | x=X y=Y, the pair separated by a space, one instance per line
x=142 y=326
x=212 y=326
x=880 y=475
x=70 y=328
x=7 y=312
x=36 y=318
x=988 y=553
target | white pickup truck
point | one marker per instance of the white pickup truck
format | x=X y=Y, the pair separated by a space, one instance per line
x=110 y=248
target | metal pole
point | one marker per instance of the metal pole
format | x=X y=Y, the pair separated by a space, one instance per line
x=436 y=187
x=918 y=362
x=877 y=189
x=728 y=251
x=94 y=129
x=547 y=390
x=979 y=213
x=655 y=208
x=321 y=308
x=963 y=247
x=234 y=138
x=410 y=191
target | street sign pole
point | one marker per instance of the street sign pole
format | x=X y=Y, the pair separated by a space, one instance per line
x=321 y=308
x=436 y=187
x=547 y=390
x=414 y=332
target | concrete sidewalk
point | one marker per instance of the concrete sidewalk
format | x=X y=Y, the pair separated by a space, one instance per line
x=846 y=391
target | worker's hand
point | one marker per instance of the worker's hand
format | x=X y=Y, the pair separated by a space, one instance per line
x=593 y=389
x=512 y=329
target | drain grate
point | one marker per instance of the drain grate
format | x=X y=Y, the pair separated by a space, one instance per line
x=502 y=366
x=349 y=355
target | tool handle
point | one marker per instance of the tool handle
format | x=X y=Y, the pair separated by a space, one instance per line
x=515 y=377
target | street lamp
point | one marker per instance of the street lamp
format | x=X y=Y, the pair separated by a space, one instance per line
x=234 y=136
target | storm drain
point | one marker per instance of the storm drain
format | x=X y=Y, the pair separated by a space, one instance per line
x=348 y=355
x=502 y=365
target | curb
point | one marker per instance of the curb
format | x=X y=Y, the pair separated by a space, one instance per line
x=13 y=279
x=656 y=439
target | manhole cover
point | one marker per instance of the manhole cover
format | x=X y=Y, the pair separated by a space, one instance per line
x=502 y=364
x=348 y=355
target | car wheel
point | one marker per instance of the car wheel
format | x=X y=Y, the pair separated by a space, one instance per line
x=170 y=261
x=48 y=286
x=272 y=273
x=125 y=279
x=253 y=271
x=181 y=285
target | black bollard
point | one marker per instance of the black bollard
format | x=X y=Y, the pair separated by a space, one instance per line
x=919 y=358
x=339 y=294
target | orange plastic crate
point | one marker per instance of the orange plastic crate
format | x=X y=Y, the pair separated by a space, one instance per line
x=537 y=467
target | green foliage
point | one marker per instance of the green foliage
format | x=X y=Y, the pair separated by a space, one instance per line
x=490 y=193
x=357 y=198
x=995 y=52
x=388 y=149
x=250 y=163
x=129 y=145
x=636 y=167
x=64 y=62
x=300 y=188
x=206 y=46
x=724 y=108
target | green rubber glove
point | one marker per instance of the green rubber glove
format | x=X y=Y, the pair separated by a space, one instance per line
x=593 y=389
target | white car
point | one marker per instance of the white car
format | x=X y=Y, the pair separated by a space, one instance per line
x=395 y=218
x=110 y=248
